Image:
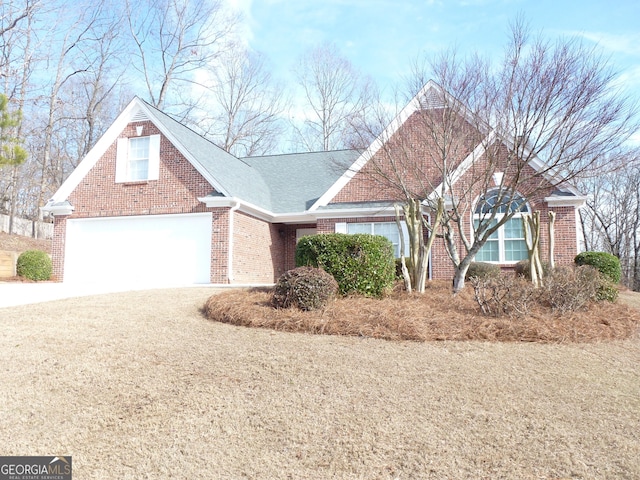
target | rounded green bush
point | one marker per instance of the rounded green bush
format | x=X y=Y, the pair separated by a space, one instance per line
x=605 y=263
x=306 y=288
x=360 y=263
x=34 y=265
x=482 y=270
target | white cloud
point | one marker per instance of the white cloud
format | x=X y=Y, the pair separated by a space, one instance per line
x=245 y=30
x=628 y=44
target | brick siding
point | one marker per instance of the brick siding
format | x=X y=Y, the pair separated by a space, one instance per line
x=176 y=191
x=411 y=153
x=258 y=250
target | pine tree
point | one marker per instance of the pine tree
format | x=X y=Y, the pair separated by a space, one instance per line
x=11 y=152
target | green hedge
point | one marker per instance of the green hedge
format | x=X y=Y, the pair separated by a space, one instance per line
x=360 y=263
x=481 y=270
x=34 y=265
x=605 y=263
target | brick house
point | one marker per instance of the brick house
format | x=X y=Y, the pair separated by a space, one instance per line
x=155 y=203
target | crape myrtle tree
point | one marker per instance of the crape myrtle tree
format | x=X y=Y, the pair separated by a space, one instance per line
x=488 y=139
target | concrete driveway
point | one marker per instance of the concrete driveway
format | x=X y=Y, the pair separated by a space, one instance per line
x=15 y=293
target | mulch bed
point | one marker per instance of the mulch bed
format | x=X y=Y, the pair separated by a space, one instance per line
x=434 y=316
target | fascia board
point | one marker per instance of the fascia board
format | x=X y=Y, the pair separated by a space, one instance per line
x=357 y=212
x=92 y=157
x=562 y=201
x=232 y=202
x=294 y=217
x=58 y=210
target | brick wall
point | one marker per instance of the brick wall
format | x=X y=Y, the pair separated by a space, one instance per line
x=57 y=247
x=412 y=154
x=258 y=250
x=176 y=191
x=220 y=245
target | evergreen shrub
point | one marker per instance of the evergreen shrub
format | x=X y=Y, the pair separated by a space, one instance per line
x=605 y=263
x=360 y=263
x=34 y=265
x=482 y=270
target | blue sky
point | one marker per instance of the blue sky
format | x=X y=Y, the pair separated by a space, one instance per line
x=380 y=37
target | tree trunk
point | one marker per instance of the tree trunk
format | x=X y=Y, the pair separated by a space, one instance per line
x=460 y=274
x=531 y=226
x=426 y=248
x=405 y=271
x=552 y=240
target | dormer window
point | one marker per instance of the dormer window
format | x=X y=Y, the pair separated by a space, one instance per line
x=138 y=159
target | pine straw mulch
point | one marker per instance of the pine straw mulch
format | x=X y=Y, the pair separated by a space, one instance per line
x=436 y=315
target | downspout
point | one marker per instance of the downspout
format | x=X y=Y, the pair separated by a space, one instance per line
x=230 y=243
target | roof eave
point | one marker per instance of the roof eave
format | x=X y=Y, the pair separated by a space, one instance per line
x=576 y=201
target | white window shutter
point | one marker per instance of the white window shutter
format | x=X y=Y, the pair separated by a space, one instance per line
x=122 y=152
x=341 y=227
x=154 y=157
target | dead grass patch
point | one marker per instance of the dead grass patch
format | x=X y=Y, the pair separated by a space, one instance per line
x=138 y=385
x=20 y=243
x=436 y=315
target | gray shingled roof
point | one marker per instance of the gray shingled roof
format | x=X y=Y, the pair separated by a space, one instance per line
x=236 y=177
x=297 y=180
x=288 y=183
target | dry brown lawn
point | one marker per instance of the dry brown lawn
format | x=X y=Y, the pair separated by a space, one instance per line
x=140 y=385
x=19 y=243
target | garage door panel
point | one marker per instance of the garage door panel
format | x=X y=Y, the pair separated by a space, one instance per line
x=153 y=250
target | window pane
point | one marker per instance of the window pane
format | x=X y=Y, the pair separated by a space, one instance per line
x=489 y=252
x=139 y=148
x=515 y=250
x=138 y=170
x=388 y=230
x=359 y=228
x=494 y=235
x=138 y=160
x=513 y=228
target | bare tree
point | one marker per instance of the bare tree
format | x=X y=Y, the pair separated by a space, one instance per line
x=336 y=96
x=611 y=221
x=489 y=138
x=175 y=38
x=244 y=106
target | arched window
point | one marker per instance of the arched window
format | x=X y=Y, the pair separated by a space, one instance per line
x=507 y=244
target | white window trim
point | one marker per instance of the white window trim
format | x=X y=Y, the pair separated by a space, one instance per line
x=122 y=157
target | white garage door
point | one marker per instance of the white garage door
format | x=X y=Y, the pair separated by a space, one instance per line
x=142 y=250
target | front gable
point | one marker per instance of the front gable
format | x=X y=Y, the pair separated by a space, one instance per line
x=174 y=187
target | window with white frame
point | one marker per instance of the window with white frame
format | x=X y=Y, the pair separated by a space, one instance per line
x=388 y=230
x=507 y=243
x=138 y=159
